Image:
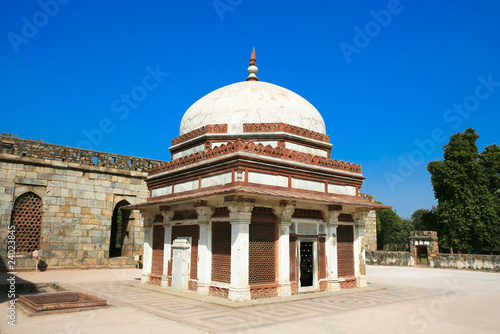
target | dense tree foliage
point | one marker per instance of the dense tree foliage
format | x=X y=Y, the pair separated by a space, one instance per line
x=425 y=220
x=392 y=231
x=466 y=185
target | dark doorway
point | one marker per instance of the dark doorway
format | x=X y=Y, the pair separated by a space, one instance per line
x=306 y=264
x=119 y=225
x=422 y=255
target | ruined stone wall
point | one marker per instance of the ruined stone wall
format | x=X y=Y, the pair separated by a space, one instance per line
x=79 y=190
x=443 y=261
x=465 y=261
x=386 y=258
x=371 y=226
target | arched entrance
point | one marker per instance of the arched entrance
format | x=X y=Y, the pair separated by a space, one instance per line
x=27 y=220
x=119 y=225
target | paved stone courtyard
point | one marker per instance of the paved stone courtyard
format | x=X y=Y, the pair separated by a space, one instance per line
x=399 y=300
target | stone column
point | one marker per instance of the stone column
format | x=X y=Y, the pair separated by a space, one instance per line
x=284 y=215
x=359 y=247
x=167 y=242
x=332 y=218
x=147 y=258
x=240 y=216
x=204 y=249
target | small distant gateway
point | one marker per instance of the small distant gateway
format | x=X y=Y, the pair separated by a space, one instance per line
x=251 y=204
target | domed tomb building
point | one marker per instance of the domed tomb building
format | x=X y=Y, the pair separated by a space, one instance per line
x=251 y=204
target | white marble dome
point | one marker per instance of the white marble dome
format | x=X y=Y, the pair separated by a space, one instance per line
x=252 y=102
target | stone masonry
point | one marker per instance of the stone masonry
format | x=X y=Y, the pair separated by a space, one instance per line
x=79 y=190
x=371 y=226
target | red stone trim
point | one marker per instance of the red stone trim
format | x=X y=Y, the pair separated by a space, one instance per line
x=251 y=147
x=218 y=292
x=348 y=283
x=211 y=128
x=263 y=292
x=282 y=127
x=192 y=285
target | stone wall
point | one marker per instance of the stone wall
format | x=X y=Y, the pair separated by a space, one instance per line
x=443 y=261
x=386 y=258
x=36 y=149
x=79 y=190
x=466 y=261
x=371 y=226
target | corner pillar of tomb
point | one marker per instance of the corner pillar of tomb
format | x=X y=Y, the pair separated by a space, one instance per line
x=167 y=215
x=284 y=214
x=204 y=212
x=359 y=246
x=240 y=215
x=147 y=257
x=332 y=219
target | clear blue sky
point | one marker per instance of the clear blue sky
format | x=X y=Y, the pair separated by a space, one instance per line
x=384 y=74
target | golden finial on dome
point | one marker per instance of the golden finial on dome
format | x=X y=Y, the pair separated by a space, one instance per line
x=252 y=69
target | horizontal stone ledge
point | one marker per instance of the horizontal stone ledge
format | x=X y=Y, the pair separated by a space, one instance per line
x=31 y=182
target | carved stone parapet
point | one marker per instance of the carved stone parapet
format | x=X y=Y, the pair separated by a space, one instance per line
x=259 y=149
x=283 y=127
x=211 y=128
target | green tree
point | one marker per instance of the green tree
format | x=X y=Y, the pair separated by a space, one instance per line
x=6 y=134
x=425 y=220
x=467 y=210
x=392 y=231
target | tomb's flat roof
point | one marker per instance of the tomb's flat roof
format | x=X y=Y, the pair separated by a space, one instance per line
x=293 y=195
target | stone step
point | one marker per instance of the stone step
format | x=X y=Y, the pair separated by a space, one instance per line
x=122 y=261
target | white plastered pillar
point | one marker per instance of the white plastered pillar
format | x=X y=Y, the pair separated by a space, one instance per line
x=147 y=258
x=204 y=249
x=359 y=247
x=331 y=250
x=240 y=216
x=167 y=245
x=284 y=215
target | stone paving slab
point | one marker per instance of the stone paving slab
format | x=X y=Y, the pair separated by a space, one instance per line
x=254 y=302
x=219 y=318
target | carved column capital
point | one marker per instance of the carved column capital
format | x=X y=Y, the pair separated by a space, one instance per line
x=360 y=217
x=204 y=214
x=148 y=218
x=240 y=207
x=167 y=217
x=284 y=212
x=332 y=218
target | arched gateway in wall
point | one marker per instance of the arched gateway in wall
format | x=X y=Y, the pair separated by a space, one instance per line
x=251 y=204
